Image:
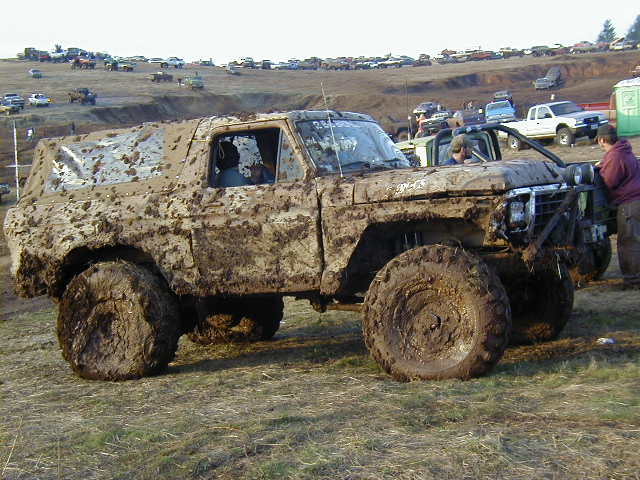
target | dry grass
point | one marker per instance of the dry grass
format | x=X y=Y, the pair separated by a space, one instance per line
x=312 y=404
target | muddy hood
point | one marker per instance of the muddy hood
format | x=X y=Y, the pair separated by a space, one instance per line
x=472 y=179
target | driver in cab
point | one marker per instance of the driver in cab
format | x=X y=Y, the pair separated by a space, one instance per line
x=461 y=151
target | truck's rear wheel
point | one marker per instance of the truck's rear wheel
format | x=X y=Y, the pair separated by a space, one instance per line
x=237 y=321
x=541 y=303
x=118 y=321
x=565 y=137
x=436 y=312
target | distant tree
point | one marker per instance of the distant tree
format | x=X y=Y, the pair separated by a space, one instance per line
x=608 y=33
x=57 y=48
x=634 y=30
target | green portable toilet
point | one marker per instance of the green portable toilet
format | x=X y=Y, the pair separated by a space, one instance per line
x=627 y=96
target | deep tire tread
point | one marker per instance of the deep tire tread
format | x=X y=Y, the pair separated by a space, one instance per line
x=490 y=294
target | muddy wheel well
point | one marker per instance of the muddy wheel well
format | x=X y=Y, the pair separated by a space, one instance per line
x=82 y=258
x=380 y=243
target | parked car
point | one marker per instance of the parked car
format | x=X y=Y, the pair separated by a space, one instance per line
x=35 y=73
x=4 y=190
x=501 y=111
x=8 y=108
x=425 y=108
x=174 y=62
x=622 y=44
x=161 y=62
x=552 y=79
x=83 y=95
x=583 y=47
x=39 y=100
x=14 y=99
x=194 y=82
x=562 y=121
x=503 y=95
x=158 y=77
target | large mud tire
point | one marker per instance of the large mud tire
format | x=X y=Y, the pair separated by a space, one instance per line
x=238 y=321
x=541 y=304
x=118 y=321
x=436 y=312
x=592 y=265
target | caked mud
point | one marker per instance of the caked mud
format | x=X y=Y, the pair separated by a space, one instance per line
x=202 y=226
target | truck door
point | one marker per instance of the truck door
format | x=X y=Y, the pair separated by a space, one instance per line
x=545 y=123
x=257 y=228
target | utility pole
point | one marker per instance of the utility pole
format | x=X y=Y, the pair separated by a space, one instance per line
x=15 y=161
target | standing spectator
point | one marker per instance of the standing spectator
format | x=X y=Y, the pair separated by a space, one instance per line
x=620 y=170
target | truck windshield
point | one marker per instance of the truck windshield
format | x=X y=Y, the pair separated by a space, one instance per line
x=361 y=145
x=498 y=106
x=565 y=108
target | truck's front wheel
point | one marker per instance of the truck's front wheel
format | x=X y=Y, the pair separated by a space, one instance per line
x=436 y=312
x=592 y=264
x=237 y=321
x=118 y=321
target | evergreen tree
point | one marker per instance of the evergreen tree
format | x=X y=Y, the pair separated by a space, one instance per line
x=608 y=33
x=634 y=30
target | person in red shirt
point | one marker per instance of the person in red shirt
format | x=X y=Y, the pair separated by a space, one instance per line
x=620 y=170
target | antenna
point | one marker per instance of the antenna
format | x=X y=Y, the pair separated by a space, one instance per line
x=406 y=96
x=333 y=137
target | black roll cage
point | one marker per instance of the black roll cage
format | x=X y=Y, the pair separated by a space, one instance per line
x=491 y=129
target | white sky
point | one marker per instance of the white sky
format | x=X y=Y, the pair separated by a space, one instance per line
x=283 y=29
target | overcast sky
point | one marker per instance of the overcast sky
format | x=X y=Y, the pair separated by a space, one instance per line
x=279 y=30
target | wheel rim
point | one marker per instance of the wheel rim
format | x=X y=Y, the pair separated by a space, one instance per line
x=432 y=330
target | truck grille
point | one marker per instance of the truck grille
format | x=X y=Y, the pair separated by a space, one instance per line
x=545 y=206
x=540 y=204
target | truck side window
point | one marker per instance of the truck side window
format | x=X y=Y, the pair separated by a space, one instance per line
x=542 y=112
x=244 y=158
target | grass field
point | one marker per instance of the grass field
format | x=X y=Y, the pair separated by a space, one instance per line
x=312 y=404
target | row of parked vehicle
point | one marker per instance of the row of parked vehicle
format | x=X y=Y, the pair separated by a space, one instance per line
x=561 y=121
x=13 y=102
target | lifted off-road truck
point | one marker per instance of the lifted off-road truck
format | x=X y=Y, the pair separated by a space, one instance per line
x=201 y=227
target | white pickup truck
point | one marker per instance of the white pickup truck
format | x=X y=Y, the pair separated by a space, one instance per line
x=561 y=121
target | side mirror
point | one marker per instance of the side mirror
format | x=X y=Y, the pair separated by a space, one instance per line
x=547 y=115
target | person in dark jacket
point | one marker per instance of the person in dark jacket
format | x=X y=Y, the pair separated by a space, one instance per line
x=620 y=170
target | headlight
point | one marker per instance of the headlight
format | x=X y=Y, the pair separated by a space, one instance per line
x=516 y=215
x=588 y=173
x=573 y=175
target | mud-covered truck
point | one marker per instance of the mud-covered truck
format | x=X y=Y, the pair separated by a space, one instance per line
x=203 y=226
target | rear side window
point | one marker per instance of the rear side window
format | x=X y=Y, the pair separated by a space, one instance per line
x=127 y=157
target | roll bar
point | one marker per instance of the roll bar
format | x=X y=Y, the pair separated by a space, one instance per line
x=492 y=127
